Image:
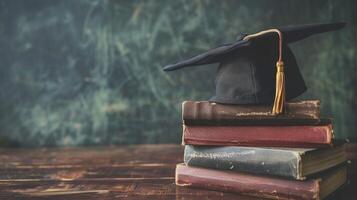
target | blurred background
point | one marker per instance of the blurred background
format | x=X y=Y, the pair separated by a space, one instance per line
x=89 y=72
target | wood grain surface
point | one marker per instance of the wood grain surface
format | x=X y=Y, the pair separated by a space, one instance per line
x=130 y=172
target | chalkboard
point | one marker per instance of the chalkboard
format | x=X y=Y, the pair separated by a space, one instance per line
x=89 y=72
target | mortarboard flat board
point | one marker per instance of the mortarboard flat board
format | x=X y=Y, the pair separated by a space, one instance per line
x=246 y=74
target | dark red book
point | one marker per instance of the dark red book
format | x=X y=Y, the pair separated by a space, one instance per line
x=260 y=136
x=208 y=113
x=318 y=187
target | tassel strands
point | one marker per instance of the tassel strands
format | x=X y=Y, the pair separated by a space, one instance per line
x=279 y=89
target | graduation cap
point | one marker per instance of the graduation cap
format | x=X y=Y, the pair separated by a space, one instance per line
x=246 y=74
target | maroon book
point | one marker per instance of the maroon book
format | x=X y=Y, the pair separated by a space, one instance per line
x=208 y=113
x=260 y=136
x=262 y=186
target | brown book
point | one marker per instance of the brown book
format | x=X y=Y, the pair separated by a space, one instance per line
x=208 y=113
x=307 y=136
x=262 y=186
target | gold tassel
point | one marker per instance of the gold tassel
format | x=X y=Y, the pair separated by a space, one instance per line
x=279 y=89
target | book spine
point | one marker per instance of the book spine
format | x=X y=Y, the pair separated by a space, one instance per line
x=260 y=136
x=246 y=159
x=252 y=185
x=206 y=111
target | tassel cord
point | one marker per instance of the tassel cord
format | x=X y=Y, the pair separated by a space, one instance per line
x=279 y=100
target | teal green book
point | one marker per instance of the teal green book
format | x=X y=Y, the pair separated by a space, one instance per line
x=293 y=163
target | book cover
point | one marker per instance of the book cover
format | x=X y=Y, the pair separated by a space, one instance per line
x=260 y=136
x=318 y=187
x=207 y=113
x=293 y=163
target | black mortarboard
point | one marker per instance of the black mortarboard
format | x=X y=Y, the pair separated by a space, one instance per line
x=246 y=74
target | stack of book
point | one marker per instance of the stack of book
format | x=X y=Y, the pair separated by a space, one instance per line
x=246 y=149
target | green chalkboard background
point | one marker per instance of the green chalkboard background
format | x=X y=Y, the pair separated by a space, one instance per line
x=88 y=72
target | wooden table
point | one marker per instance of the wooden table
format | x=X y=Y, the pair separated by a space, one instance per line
x=132 y=172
